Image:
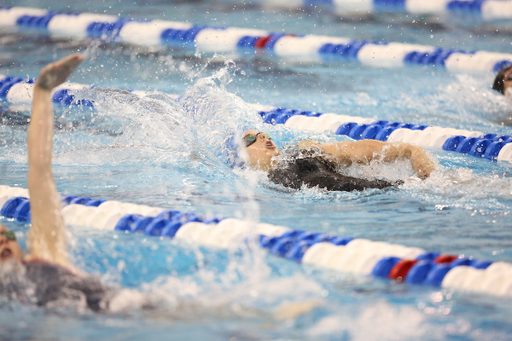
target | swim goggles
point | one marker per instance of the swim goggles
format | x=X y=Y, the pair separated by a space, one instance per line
x=250 y=139
x=9 y=235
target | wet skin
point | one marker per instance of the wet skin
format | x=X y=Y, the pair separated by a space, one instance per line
x=260 y=153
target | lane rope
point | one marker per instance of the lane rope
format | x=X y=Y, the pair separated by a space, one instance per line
x=486 y=10
x=495 y=147
x=356 y=256
x=219 y=39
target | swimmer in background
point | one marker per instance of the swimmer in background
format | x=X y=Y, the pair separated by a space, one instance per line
x=503 y=81
x=47 y=265
x=503 y=84
x=314 y=163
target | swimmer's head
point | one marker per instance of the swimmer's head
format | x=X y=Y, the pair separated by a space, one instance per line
x=9 y=247
x=503 y=80
x=259 y=149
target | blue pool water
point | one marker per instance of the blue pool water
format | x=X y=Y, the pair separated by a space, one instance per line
x=151 y=151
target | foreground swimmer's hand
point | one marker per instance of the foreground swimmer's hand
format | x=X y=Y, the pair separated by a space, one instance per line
x=55 y=74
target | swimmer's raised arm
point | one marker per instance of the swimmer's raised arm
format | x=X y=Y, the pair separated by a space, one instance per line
x=47 y=238
x=365 y=151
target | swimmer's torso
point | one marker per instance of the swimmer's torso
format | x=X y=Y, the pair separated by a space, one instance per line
x=306 y=168
x=55 y=282
x=45 y=283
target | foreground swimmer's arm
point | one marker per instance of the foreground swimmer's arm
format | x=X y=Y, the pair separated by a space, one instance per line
x=47 y=238
x=365 y=151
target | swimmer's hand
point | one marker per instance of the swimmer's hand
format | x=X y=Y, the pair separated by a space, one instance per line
x=55 y=74
x=421 y=162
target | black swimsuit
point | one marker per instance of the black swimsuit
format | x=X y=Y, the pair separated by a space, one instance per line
x=312 y=171
x=44 y=283
x=55 y=282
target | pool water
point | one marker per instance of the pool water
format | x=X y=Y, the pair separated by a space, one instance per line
x=153 y=151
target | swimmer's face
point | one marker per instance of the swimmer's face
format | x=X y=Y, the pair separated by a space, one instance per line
x=503 y=81
x=261 y=151
x=9 y=249
x=507 y=81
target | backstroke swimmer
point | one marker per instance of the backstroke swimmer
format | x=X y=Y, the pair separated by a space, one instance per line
x=314 y=164
x=47 y=266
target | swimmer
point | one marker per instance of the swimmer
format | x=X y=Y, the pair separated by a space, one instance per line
x=503 y=81
x=315 y=164
x=45 y=274
x=47 y=265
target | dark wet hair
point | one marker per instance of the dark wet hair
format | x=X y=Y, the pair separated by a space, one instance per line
x=499 y=81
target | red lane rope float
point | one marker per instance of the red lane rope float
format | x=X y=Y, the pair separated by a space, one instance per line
x=400 y=270
x=445 y=259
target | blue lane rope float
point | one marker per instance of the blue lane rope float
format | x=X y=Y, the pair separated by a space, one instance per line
x=358 y=256
x=475 y=9
x=475 y=143
x=218 y=39
x=20 y=90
